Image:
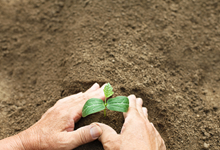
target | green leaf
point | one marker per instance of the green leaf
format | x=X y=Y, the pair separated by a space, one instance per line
x=120 y=103
x=108 y=90
x=93 y=105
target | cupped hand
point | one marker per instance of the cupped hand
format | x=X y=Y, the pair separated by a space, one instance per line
x=55 y=128
x=137 y=132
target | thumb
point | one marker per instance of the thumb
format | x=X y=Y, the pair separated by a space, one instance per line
x=108 y=135
x=84 y=135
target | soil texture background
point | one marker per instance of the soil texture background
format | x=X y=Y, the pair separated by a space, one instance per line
x=165 y=51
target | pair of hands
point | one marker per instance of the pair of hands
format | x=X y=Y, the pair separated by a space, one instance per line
x=55 y=130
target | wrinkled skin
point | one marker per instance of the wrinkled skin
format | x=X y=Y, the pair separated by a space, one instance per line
x=137 y=132
x=55 y=130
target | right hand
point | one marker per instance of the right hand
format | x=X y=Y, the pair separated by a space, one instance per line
x=137 y=132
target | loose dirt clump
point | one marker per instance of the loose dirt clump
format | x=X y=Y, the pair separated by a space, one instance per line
x=166 y=52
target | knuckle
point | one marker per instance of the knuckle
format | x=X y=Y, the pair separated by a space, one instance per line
x=162 y=141
x=140 y=99
x=48 y=112
x=157 y=133
x=162 y=145
x=84 y=97
x=133 y=110
x=61 y=144
x=112 y=144
x=82 y=136
x=59 y=102
x=60 y=112
x=139 y=120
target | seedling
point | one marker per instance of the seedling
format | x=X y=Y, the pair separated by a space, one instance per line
x=93 y=105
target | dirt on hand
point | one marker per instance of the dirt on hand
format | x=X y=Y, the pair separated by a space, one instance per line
x=166 y=52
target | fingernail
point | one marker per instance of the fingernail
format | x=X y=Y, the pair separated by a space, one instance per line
x=94 y=86
x=103 y=86
x=144 y=110
x=132 y=96
x=139 y=101
x=95 y=132
x=78 y=93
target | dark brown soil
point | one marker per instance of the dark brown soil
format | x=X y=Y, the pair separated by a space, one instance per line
x=164 y=51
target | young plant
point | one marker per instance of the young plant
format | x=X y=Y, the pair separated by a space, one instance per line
x=93 y=105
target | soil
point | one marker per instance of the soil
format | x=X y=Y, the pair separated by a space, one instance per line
x=164 y=51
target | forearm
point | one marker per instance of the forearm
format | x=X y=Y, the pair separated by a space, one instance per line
x=27 y=139
x=12 y=143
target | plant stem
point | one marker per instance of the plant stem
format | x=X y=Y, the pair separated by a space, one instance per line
x=105 y=108
x=105 y=112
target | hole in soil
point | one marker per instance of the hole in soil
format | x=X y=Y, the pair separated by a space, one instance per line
x=161 y=116
x=206 y=111
x=34 y=82
x=62 y=93
x=10 y=73
x=114 y=121
x=113 y=39
x=135 y=90
x=215 y=109
x=38 y=104
x=122 y=89
x=160 y=126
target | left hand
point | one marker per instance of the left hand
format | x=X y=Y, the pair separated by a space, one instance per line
x=55 y=129
x=137 y=131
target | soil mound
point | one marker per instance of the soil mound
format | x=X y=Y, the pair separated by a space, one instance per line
x=166 y=52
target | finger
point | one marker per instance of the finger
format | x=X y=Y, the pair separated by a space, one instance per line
x=132 y=101
x=68 y=98
x=78 y=94
x=99 y=93
x=155 y=130
x=145 y=111
x=125 y=114
x=94 y=92
x=69 y=129
x=83 y=135
x=159 y=138
x=78 y=102
x=81 y=100
x=108 y=134
x=162 y=146
x=103 y=86
x=93 y=88
x=132 y=105
x=139 y=103
x=152 y=124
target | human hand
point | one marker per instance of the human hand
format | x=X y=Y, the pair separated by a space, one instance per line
x=55 y=128
x=137 y=132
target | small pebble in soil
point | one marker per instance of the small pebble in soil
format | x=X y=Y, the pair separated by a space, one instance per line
x=206 y=145
x=206 y=134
